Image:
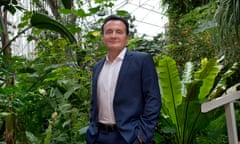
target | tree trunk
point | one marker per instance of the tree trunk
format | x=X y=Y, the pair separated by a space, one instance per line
x=10 y=124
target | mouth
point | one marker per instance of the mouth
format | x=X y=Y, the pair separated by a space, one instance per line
x=113 y=42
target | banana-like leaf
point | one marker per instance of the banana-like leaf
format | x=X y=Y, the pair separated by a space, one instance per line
x=187 y=77
x=207 y=75
x=220 y=88
x=191 y=120
x=188 y=72
x=170 y=86
x=45 y=22
x=193 y=90
x=184 y=111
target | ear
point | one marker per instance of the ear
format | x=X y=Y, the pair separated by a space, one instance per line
x=128 y=37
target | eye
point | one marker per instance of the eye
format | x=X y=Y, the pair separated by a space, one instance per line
x=108 y=32
x=119 y=31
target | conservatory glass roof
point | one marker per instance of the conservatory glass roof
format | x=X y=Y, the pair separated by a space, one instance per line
x=150 y=21
x=149 y=14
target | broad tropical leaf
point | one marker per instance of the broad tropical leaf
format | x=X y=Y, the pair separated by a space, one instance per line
x=207 y=75
x=221 y=86
x=184 y=111
x=187 y=77
x=227 y=16
x=45 y=22
x=191 y=120
x=170 y=86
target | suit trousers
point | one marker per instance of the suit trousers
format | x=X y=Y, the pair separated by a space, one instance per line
x=111 y=137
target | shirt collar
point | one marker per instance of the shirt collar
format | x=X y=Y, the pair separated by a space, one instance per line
x=120 y=56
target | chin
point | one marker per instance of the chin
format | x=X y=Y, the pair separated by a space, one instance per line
x=116 y=48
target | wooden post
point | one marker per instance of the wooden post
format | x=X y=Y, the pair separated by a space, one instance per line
x=226 y=100
x=231 y=123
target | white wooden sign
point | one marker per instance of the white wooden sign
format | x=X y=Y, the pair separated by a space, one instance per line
x=227 y=101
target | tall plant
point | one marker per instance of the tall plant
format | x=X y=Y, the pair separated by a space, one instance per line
x=182 y=97
x=9 y=124
x=41 y=89
x=228 y=19
x=182 y=7
x=193 y=36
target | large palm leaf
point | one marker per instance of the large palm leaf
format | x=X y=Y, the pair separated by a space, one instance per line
x=183 y=103
x=228 y=16
x=42 y=21
x=207 y=74
x=45 y=22
x=170 y=87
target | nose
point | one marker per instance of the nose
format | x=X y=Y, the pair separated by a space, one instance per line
x=114 y=34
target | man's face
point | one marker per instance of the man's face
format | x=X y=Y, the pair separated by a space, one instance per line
x=114 y=35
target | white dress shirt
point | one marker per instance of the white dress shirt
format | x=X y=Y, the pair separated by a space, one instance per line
x=106 y=88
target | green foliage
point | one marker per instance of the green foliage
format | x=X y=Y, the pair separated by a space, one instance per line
x=51 y=93
x=207 y=74
x=216 y=132
x=170 y=86
x=50 y=102
x=42 y=21
x=67 y=4
x=192 y=36
x=177 y=7
x=153 y=46
x=10 y=5
x=227 y=17
x=182 y=99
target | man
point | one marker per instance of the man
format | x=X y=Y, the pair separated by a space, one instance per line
x=126 y=101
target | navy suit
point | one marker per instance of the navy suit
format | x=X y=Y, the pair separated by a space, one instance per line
x=137 y=100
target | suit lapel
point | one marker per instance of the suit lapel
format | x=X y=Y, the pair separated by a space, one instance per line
x=124 y=69
x=96 y=75
x=99 y=68
x=122 y=72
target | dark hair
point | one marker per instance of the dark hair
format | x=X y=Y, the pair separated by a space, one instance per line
x=115 y=17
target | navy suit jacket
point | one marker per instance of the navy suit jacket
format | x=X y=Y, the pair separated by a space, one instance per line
x=137 y=99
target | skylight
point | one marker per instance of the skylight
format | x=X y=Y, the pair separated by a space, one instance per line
x=149 y=14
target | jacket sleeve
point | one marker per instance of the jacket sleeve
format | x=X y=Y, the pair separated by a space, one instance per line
x=152 y=100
